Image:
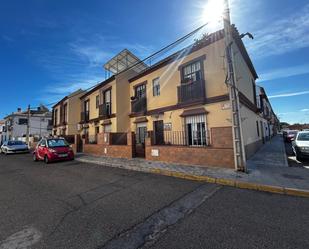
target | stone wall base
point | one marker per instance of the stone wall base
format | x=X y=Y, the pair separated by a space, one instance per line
x=117 y=151
x=191 y=155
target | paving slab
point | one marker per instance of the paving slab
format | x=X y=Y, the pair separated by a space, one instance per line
x=267 y=167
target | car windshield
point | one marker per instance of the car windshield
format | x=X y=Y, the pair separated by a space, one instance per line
x=303 y=136
x=57 y=143
x=16 y=143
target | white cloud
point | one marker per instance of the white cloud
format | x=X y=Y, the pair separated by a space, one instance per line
x=282 y=35
x=304 y=110
x=284 y=72
x=288 y=94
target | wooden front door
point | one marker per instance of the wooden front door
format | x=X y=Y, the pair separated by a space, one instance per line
x=158 y=132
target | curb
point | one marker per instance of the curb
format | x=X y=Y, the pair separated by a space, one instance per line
x=220 y=181
x=237 y=184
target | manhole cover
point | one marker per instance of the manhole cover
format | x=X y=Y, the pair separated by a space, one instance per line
x=292 y=177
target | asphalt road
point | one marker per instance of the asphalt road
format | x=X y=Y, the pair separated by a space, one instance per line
x=79 y=205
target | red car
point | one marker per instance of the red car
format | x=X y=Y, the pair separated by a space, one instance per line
x=53 y=149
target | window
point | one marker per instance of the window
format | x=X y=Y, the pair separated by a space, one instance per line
x=156 y=87
x=65 y=112
x=108 y=101
x=140 y=91
x=86 y=106
x=22 y=121
x=257 y=128
x=97 y=101
x=192 y=72
x=56 y=117
x=108 y=128
x=86 y=110
x=196 y=130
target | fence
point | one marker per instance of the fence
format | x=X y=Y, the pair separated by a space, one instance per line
x=181 y=138
x=69 y=138
x=118 y=138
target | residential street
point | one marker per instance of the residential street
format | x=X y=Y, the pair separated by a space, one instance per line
x=79 y=205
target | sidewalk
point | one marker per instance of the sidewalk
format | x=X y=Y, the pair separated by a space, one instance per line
x=268 y=170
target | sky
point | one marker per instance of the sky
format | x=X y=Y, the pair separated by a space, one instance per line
x=49 y=48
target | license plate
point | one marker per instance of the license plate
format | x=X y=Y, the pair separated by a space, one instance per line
x=63 y=155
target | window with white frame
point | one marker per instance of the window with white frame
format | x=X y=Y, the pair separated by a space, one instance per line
x=108 y=128
x=156 y=87
x=196 y=130
x=107 y=101
x=192 y=72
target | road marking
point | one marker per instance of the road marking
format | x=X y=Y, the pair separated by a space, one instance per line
x=150 y=229
x=22 y=239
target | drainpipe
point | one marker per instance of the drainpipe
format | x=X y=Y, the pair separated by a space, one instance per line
x=239 y=152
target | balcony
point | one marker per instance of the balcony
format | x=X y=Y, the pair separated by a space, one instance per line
x=139 y=105
x=105 y=110
x=84 y=117
x=191 y=92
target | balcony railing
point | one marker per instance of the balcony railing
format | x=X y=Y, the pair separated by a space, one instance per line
x=105 y=110
x=84 y=117
x=190 y=92
x=139 y=105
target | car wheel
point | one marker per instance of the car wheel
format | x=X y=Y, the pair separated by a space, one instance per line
x=298 y=157
x=34 y=157
x=46 y=160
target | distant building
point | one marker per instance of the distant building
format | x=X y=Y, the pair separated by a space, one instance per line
x=66 y=114
x=2 y=128
x=40 y=124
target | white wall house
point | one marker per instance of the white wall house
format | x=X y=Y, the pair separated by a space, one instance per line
x=40 y=124
x=2 y=128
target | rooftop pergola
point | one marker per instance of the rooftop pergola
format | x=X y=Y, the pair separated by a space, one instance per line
x=123 y=60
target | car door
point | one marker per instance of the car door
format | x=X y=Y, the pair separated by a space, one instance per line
x=42 y=148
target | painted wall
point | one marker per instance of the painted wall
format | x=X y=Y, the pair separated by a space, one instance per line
x=74 y=110
x=170 y=77
x=123 y=106
x=243 y=75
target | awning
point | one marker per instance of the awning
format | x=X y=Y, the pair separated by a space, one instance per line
x=107 y=122
x=193 y=112
x=141 y=120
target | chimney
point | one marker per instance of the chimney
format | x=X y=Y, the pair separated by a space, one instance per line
x=18 y=109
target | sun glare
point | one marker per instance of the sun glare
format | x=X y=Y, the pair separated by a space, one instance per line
x=212 y=12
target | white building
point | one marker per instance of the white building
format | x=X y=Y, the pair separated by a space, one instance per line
x=2 y=128
x=40 y=124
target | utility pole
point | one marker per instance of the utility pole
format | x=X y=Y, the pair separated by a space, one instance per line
x=239 y=153
x=28 y=125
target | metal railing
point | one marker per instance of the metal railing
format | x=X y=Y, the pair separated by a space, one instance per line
x=118 y=138
x=189 y=92
x=181 y=138
x=105 y=110
x=139 y=105
x=69 y=138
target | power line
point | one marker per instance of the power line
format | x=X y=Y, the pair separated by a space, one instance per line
x=164 y=49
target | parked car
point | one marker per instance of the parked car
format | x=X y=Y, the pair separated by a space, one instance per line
x=289 y=135
x=14 y=146
x=300 y=145
x=53 y=149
